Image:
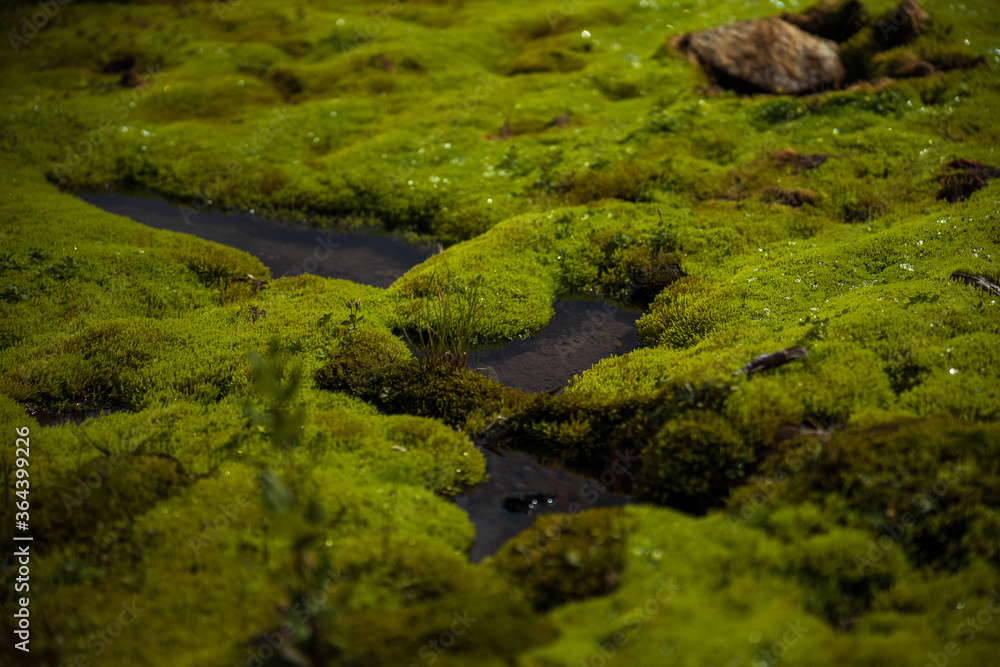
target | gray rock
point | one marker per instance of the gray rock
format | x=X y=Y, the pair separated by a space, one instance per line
x=765 y=55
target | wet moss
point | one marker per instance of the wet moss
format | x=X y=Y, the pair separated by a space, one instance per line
x=625 y=268
x=693 y=460
x=565 y=557
x=582 y=433
x=454 y=395
x=925 y=483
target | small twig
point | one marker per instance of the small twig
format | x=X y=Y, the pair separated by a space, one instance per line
x=981 y=282
x=770 y=360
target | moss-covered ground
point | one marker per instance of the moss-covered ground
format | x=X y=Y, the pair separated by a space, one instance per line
x=278 y=489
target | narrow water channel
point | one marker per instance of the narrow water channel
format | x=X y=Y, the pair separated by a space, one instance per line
x=582 y=332
x=517 y=491
x=284 y=248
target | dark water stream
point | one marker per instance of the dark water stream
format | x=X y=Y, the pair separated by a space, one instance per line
x=582 y=332
x=519 y=489
x=286 y=249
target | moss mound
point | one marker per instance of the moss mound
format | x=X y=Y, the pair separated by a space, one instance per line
x=922 y=485
x=566 y=557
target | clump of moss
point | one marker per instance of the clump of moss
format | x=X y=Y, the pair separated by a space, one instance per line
x=831 y=20
x=694 y=460
x=839 y=590
x=863 y=207
x=565 y=557
x=787 y=196
x=904 y=42
x=627 y=181
x=690 y=449
x=454 y=395
x=104 y=494
x=683 y=313
x=398 y=603
x=585 y=434
x=629 y=268
x=359 y=359
x=923 y=486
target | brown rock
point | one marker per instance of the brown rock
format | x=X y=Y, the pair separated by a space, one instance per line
x=765 y=55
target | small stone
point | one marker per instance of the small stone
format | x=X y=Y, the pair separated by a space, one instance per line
x=765 y=55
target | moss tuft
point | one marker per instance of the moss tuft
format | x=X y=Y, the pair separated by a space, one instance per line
x=693 y=461
x=565 y=557
x=684 y=313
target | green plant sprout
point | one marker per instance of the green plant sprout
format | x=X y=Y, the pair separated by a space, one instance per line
x=450 y=318
x=353 y=319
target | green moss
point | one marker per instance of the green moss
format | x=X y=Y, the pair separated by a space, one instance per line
x=565 y=557
x=548 y=60
x=454 y=395
x=682 y=314
x=693 y=459
x=359 y=360
x=887 y=47
x=105 y=493
x=651 y=176
x=925 y=483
